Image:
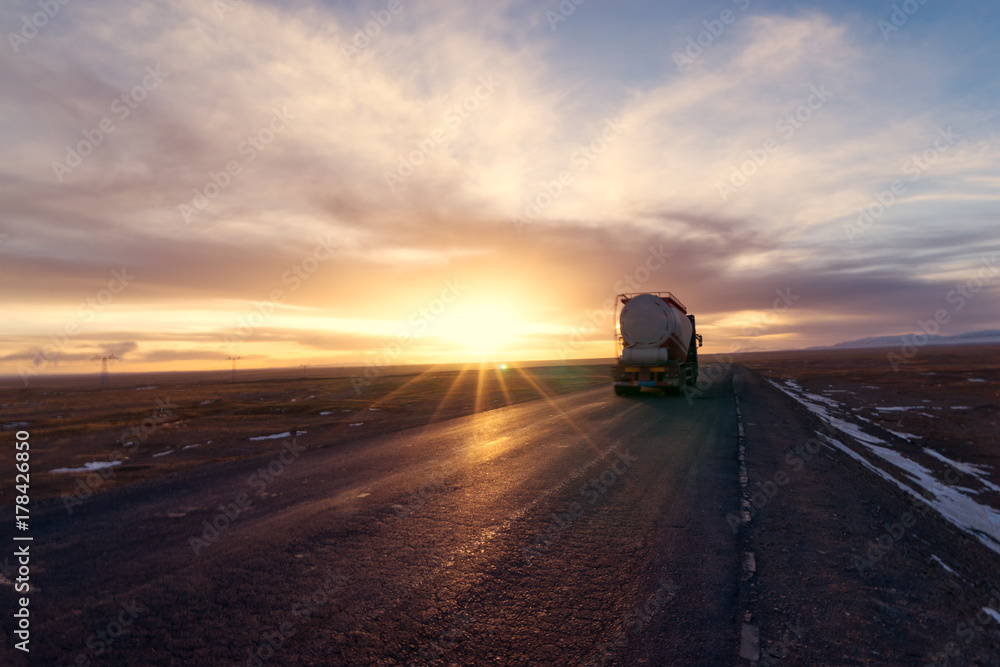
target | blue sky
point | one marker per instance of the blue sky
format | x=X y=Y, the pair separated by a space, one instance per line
x=539 y=167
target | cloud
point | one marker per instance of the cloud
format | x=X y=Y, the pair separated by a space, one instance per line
x=354 y=187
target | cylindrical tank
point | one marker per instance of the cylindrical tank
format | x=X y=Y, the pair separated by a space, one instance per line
x=654 y=330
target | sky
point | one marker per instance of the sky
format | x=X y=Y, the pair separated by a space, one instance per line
x=342 y=183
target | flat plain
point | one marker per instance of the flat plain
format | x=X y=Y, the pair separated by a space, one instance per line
x=874 y=505
x=438 y=503
x=148 y=426
x=943 y=398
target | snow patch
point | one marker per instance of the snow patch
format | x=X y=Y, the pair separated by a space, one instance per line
x=980 y=520
x=169 y=451
x=90 y=467
x=941 y=563
x=968 y=468
x=277 y=436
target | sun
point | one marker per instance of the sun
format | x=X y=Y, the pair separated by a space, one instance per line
x=482 y=327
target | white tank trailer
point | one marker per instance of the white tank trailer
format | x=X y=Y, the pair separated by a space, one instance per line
x=657 y=343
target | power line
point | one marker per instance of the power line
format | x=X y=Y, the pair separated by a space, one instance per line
x=104 y=359
x=234 y=360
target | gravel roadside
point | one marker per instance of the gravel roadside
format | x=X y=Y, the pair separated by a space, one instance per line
x=850 y=570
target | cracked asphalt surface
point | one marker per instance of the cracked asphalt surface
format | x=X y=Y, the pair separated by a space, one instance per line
x=586 y=529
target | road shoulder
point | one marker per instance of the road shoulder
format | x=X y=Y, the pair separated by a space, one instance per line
x=849 y=569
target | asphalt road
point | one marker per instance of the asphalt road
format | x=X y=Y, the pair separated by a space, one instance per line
x=585 y=530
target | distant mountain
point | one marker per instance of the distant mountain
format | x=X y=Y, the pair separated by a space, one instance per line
x=989 y=336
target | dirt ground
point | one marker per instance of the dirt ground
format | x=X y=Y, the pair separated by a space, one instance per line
x=944 y=398
x=850 y=569
x=163 y=424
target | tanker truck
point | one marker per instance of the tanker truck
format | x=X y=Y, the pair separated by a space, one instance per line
x=656 y=341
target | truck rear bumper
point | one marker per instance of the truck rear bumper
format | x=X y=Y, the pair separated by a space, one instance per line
x=666 y=377
x=650 y=383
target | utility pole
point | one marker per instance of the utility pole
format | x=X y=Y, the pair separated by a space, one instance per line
x=305 y=370
x=104 y=359
x=234 y=360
